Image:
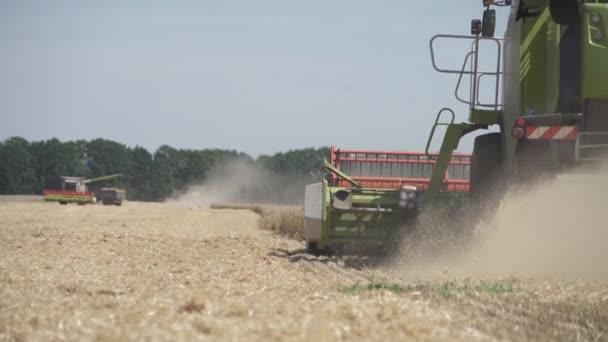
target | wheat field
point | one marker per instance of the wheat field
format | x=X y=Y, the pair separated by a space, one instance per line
x=168 y=273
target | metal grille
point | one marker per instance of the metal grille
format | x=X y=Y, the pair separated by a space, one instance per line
x=380 y=169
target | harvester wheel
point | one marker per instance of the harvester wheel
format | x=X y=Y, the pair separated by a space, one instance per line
x=487 y=174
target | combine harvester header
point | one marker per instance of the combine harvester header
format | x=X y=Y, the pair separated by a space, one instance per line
x=369 y=199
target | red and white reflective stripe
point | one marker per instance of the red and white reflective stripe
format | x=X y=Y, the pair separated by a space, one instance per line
x=551 y=133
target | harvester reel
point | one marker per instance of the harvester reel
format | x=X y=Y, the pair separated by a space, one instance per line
x=565 y=12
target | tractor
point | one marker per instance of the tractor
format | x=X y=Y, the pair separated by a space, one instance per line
x=548 y=113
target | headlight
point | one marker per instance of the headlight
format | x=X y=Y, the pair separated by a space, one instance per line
x=408 y=197
x=597 y=35
x=595 y=18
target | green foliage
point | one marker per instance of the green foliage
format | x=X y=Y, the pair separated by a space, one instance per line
x=52 y=159
x=140 y=176
x=448 y=289
x=374 y=286
x=495 y=287
x=296 y=169
x=17 y=174
x=305 y=162
x=30 y=167
x=451 y=288
x=105 y=157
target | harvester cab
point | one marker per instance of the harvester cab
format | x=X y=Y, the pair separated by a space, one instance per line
x=73 y=184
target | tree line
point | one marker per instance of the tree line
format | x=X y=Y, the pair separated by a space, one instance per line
x=30 y=167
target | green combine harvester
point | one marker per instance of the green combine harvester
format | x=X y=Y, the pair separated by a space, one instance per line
x=548 y=109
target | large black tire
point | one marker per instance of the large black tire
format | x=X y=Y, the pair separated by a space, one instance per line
x=486 y=165
x=565 y=12
x=313 y=248
x=487 y=174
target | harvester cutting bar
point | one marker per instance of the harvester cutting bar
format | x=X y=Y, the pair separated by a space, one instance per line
x=66 y=196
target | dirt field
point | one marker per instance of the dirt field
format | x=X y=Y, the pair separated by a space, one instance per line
x=163 y=272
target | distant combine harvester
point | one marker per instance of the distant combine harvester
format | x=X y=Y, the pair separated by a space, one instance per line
x=75 y=190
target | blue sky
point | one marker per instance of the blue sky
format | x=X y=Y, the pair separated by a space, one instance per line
x=257 y=76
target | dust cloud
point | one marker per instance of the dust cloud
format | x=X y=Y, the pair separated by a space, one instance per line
x=238 y=181
x=555 y=229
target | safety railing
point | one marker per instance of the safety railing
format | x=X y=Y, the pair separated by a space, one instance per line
x=475 y=76
x=437 y=124
x=384 y=169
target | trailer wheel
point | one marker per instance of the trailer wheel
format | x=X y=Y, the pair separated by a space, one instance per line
x=313 y=248
x=565 y=12
x=487 y=174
